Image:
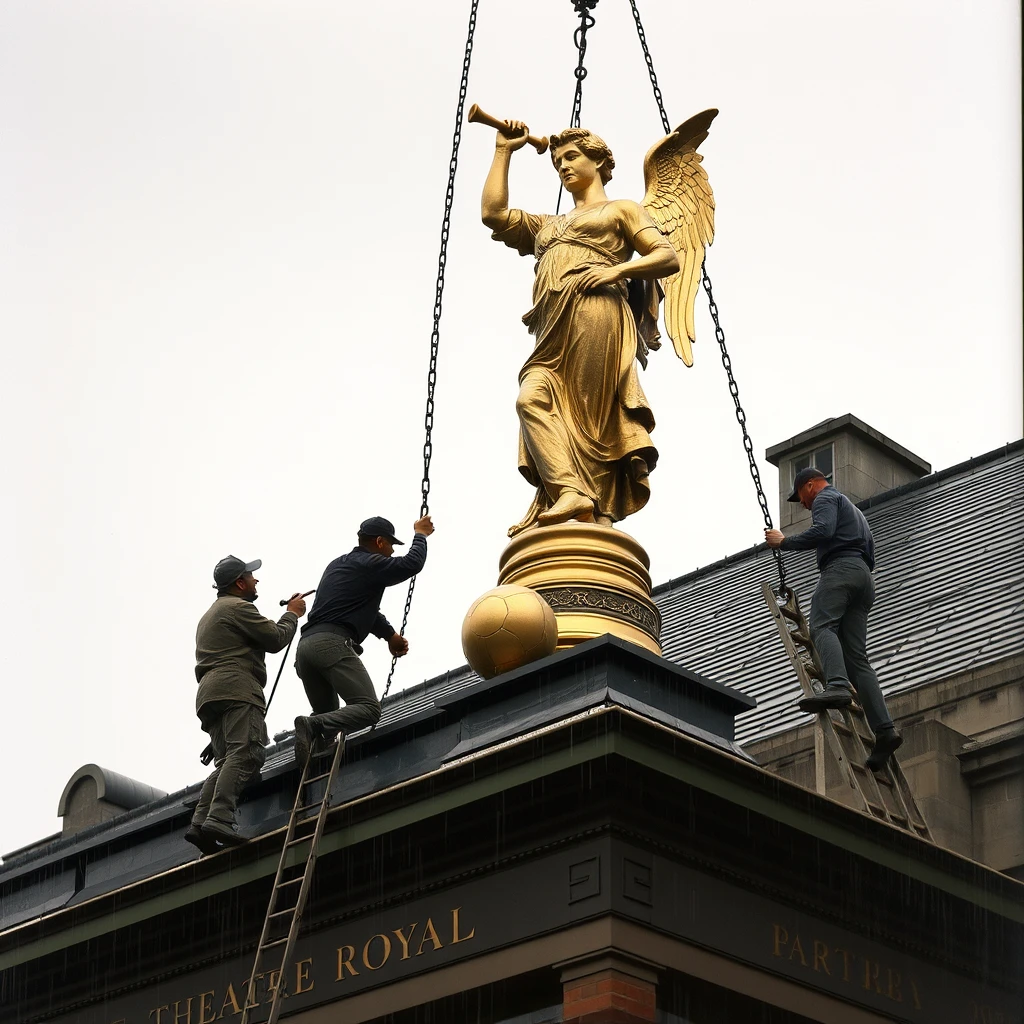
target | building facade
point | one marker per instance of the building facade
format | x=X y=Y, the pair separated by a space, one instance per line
x=604 y=836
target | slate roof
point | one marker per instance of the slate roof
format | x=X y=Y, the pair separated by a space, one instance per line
x=950 y=582
x=949 y=597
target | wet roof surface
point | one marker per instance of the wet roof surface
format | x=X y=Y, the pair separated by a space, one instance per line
x=950 y=585
x=949 y=581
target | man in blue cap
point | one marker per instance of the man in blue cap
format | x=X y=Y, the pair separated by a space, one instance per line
x=840 y=605
x=346 y=609
x=231 y=643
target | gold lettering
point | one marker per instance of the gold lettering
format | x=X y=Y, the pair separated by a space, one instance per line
x=229 y=997
x=249 y=1005
x=405 y=940
x=871 y=976
x=345 y=954
x=797 y=950
x=187 y=1015
x=455 y=928
x=274 y=980
x=301 y=974
x=915 y=994
x=821 y=956
x=894 y=992
x=206 y=1007
x=781 y=938
x=429 y=932
x=159 y=1010
x=366 y=952
x=847 y=957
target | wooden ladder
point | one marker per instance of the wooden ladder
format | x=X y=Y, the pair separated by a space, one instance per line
x=288 y=897
x=886 y=793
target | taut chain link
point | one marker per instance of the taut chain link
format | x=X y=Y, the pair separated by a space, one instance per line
x=650 y=68
x=579 y=38
x=741 y=419
x=435 y=334
x=741 y=416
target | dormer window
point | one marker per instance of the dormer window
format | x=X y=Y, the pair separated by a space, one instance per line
x=820 y=459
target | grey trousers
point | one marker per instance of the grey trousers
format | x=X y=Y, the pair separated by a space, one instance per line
x=238 y=735
x=329 y=668
x=839 y=630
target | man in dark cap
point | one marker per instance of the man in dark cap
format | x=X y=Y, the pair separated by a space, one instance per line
x=840 y=605
x=231 y=642
x=346 y=609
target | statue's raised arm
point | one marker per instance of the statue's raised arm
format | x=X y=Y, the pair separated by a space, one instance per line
x=584 y=421
x=680 y=202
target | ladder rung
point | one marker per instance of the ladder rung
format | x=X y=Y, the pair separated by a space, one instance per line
x=792 y=616
x=281 y=913
x=800 y=638
x=316 y=778
x=296 y=842
x=306 y=807
x=271 y=945
x=290 y=881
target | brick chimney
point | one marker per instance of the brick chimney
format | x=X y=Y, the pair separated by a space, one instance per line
x=857 y=460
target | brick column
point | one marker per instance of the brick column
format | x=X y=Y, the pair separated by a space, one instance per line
x=610 y=988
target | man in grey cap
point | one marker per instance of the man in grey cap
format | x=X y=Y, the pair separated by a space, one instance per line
x=346 y=609
x=231 y=642
x=840 y=605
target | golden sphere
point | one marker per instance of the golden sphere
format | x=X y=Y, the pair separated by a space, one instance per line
x=508 y=627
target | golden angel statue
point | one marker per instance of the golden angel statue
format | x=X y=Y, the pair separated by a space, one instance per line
x=585 y=424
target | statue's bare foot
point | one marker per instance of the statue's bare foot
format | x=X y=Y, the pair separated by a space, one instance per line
x=570 y=505
x=603 y=520
x=514 y=531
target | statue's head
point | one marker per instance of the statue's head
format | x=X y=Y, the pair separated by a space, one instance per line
x=590 y=145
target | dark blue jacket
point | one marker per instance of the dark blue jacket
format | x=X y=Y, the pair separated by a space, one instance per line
x=840 y=530
x=349 y=592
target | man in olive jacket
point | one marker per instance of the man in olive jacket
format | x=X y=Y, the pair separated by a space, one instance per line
x=231 y=643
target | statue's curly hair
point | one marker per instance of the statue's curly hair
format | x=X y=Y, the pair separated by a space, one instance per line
x=590 y=145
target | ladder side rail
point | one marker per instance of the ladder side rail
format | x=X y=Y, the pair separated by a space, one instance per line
x=915 y=819
x=281 y=867
x=833 y=741
x=866 y=778
x=889 y=797
x=307 y=877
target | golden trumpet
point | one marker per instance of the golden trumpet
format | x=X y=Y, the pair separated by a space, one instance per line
x=478 y=116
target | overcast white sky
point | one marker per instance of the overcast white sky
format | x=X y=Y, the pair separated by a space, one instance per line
x=219 y=227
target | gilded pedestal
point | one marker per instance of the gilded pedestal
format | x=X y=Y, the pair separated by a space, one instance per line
x=595 y=578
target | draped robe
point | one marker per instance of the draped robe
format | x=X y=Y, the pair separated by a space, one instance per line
x=584 y=421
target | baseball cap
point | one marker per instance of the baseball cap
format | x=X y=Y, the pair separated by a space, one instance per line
x=378 y=526
x=227 y=570
x=809 y=473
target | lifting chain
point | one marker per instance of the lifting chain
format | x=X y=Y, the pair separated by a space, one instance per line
x=579 y=38
x=435 y=334
x=741 y=416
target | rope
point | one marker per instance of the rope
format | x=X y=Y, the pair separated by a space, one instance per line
x=435 y=334
x=579 y=38
x=734 y=391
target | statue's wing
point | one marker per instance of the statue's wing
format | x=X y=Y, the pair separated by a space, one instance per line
x=680 y=203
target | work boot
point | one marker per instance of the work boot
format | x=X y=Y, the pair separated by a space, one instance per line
x=306 y=734
x=223 y=833
x=194 y=835
x=324 y=746
x=835 y=695
x=887 y=741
